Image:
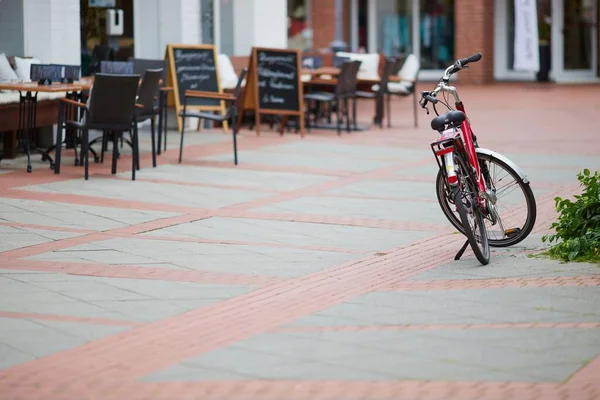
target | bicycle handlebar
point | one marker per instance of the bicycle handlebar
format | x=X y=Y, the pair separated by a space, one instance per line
x=462 y=62
x=427 y=96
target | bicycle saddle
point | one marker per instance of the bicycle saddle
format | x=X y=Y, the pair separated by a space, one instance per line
x=452 y=118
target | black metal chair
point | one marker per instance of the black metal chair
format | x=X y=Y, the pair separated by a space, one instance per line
x=112 y=107
x=147 y=98
x=381 y=90
x=231 y=113
x=140 y=65
x=344 y=90
x=409 y=76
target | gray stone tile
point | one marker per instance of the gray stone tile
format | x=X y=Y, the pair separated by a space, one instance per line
x=265 y=180
x=235 y=259
x=506 y=265
x=475 y=355
x=25 y=340
x=73 y=215
x=349 y=150
x=407 y=211
x=389 y=188
x=275 y=159
x=19 y=237
x=114 y=298
x=294 y=233
x=172 y=194
x=525 y=160
x=469 y=306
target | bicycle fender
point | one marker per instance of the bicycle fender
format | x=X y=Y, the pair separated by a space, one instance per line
x=505 y=160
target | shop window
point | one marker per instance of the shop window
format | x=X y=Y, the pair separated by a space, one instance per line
x=395 y=21
x=437 y=33
x=93 y=29
x=298 y=35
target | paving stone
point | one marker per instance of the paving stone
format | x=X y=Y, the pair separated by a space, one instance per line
x=265 y=180
x=294 y=233
x=509 y=266
x=234 y=259
x=19 y=237
x=173 y=194
x=349 y=150
x=389 y=210
x=389 y=188
x=25 y=340
x=114 y=298
x=73 y=215
x=275 y=159
x=468 y=306
x=377 y=355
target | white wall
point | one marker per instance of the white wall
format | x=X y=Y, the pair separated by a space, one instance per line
x=51 y=30
x=11 y=27
x=158 y=23
x=261 y=23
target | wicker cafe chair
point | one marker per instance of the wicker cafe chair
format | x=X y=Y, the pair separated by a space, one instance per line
x=112 y=107
x=230 y=114
x=344 y=90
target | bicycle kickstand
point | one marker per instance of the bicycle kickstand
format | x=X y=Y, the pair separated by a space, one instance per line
x=462 y=250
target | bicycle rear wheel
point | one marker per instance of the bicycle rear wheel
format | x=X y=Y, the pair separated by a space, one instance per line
x=465 y=196
x=515 y=206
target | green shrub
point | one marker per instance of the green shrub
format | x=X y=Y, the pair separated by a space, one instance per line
x=577 y=236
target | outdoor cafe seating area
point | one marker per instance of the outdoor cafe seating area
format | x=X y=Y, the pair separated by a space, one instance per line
x=307 y=91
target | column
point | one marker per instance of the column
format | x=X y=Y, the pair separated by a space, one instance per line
x=51 y=31
x=473 y=32
x=158 y=23
x=11 y=27
x=260 y=23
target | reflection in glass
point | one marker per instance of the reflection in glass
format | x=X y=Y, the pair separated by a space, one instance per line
x=395 y=27
x=578 y=30
x=437 y=33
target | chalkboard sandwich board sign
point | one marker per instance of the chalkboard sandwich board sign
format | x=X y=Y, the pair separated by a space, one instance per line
x=274 y=86
x=194 y=67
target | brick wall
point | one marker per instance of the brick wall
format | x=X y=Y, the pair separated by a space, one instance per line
x=473 y=32
x=323 y=22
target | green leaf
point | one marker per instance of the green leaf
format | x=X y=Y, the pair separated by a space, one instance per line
x=586 y=172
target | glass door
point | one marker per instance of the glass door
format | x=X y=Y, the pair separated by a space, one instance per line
x=575 y=40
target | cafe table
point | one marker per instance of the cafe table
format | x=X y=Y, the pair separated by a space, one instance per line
x=28 y=93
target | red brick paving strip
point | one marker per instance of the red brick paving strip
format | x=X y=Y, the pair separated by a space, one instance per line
x=67 y=318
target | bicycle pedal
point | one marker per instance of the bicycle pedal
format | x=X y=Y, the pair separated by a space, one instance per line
x=512 y=232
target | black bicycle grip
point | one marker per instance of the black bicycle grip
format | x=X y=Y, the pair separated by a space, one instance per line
x=474 y=58
x=430 y=98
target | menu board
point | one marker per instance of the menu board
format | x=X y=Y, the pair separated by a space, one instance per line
x=193 y=67
x=277 y=74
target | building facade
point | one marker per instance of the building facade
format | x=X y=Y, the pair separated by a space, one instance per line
x=437 y=31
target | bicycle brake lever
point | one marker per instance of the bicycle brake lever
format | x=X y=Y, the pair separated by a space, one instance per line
x=426 y=109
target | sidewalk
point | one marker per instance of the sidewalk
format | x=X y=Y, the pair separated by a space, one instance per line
x=319 y=268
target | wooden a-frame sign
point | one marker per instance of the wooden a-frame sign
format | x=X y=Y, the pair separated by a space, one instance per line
x=194 y=67
x=273 y=86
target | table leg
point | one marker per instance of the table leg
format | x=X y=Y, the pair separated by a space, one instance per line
x=161 y=99
x=166 y=117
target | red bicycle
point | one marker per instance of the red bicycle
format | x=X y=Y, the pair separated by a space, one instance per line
x=471 y=180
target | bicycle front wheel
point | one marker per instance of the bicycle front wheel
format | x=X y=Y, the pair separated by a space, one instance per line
x=466 y=196
x=515 y=208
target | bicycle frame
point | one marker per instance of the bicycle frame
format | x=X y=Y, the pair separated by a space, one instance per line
x=468 y=144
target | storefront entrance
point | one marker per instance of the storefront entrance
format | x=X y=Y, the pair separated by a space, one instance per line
x=401 y=27
x=568 y=29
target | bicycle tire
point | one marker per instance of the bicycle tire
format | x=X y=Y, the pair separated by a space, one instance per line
x=527 y=193
x=481 y=253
